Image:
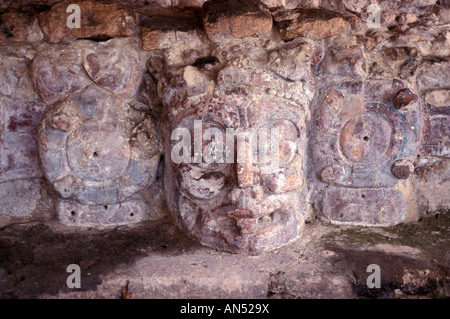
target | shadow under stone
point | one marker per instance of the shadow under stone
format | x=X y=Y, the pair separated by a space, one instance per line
x=34 y=257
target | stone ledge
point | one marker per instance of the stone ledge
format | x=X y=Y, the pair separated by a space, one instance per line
x=154 y=260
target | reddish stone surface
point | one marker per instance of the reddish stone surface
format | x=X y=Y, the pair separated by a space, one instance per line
x=238 y=19
x=332 y=173
x=99 y=145
x=98 y=20
x=161 y=32
x=312 y=23
x=19 y=198
x=369 y=139
x=19 y=156
x=113 y=66
x=402 y=169
x=21 y=116
x=366 y=138
x=404 y=98
x=58 y=73
x=15 y=73
x=292 y=62
x=231 y=78
x=96 y=145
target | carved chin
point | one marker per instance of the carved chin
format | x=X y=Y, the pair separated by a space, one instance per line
x=226 y=227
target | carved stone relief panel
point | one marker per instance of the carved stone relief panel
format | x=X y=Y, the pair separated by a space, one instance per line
x=96 y=147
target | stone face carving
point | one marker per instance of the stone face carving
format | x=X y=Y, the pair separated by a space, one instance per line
x=239 y=206
x=96 y=149
x=86 y=114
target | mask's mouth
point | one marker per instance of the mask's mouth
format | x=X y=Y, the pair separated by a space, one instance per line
x=247 y=215
x=248 y=222
x=229 y=226
x=249 y=225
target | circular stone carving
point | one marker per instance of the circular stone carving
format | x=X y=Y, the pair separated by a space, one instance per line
x=97 y=153
x=366 y=138
x=94 y=152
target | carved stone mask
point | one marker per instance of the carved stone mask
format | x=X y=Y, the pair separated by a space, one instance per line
x=251 y=121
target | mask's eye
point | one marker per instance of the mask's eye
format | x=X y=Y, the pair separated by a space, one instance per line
x=202 y=184
x=277 y=143
x=208 y=145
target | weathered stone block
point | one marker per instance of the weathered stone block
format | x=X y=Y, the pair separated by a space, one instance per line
x=19 y=27
x=21 y=116
x=433 y=76
x=71 y=213
x=19 y=198
x=18 y=157
x=235 y=19
x=345 y=62
x=364 y=206
x=436 y=140
x=113 y=65
x=432 y=184
x=312 y=23
x=18 y=149
x=302 y=92
x=438 y=98
x=15 y=73
x=162 y=32
x=293 y=61
x=355 y=5
x=365 y=136
x=98 y=20
x=242 y=207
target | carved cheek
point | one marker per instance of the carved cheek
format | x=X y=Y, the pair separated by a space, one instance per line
x=202 y=184
x=289 y=178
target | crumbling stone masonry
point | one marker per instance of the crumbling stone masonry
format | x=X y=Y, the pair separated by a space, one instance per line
x=360 y=96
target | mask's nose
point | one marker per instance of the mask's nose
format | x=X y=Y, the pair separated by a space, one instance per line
x=254 y=201
x=245 y=170
x=252 y=204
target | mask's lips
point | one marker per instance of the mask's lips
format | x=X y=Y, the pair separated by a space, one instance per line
x=236 y=229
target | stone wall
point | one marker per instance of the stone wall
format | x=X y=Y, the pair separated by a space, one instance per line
x=86 y=113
